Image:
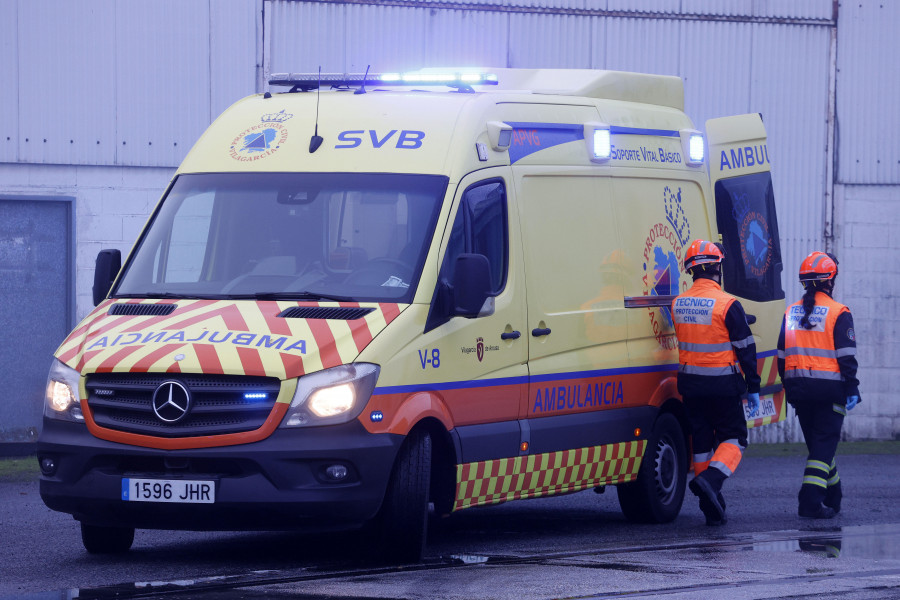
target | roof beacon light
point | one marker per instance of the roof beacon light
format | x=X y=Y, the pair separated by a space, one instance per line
x=693 y=147
x=463 y=80
x=599 y=143
x=500 y=135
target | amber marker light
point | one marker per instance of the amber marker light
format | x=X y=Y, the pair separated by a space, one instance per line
x=523 y=447
x=637 y=432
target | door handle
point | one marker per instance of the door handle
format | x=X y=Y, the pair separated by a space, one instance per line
x=540 y=331
x=510 y=335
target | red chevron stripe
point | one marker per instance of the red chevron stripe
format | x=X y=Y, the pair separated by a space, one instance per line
x=324 y=337
x=209 y=359
x=144 y=364
x=359 y=328
x=293 y=365
x=390 y=311
x=84 y=358
x=230 y=314
x=251 y=362
x=270 y=311
x=108 y=365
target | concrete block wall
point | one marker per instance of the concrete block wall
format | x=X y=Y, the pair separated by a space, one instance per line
x=111 y=206
x=867 y=239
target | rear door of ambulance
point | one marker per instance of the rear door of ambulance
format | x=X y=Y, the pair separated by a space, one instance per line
x=739 y=169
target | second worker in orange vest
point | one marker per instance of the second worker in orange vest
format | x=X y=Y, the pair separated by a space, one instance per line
x=716 y=353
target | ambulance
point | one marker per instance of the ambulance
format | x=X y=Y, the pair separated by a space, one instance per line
x=366 y=300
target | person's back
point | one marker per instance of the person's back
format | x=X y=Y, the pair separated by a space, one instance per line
x=716 y=352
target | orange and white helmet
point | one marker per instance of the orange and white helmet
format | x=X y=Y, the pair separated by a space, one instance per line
x=701 y=252
x=818 y=266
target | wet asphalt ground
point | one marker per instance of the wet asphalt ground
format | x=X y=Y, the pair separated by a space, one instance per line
x=575 y=546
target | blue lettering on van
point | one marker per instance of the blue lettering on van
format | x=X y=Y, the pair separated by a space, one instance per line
x=408 y=139
x=215 y=337
x=578 y=395
x=744 y=157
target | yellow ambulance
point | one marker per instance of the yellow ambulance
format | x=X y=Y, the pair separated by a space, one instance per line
x=368 y=298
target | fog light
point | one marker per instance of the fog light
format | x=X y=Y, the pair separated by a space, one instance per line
x=48 y=465
x=336 y=472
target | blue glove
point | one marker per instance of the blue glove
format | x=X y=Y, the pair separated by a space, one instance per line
x=852 y=401
x=753 y=404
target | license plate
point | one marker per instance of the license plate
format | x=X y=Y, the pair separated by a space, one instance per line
x=766 y=409
x=168 y=490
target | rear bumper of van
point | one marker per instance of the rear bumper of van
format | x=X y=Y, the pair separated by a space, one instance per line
x=279 y=483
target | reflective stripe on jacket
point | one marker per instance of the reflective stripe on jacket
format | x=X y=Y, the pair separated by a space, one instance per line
x=811 y=353
x=704 y=346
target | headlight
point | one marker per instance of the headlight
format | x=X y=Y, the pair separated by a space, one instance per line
x=335 y=395
x=61 y=398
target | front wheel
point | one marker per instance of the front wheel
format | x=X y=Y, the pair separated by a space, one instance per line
x=403 y=520
x=106 y=540
x=658 y=492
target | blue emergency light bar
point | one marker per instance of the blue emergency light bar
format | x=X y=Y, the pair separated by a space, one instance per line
x=463 y=80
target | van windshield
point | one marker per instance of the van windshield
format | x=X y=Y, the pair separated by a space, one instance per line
x=318 y=236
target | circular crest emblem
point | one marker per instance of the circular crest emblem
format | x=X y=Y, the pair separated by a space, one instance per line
x=260 y=140
x=756 y=243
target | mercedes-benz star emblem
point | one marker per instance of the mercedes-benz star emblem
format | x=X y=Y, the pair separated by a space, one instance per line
x=171 y=401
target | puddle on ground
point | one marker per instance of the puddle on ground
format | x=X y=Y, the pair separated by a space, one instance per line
x=865 y=541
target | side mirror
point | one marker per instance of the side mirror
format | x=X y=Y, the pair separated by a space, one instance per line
x=472 y=295
x=107 y=267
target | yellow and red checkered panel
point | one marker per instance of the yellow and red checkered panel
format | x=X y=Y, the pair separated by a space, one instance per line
x=220 y=337
x=548 y=474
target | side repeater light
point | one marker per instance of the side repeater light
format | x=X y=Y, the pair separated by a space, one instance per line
x=693 y=147
x=599 y=142
x=500 y=135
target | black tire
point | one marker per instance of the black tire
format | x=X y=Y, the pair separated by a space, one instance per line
x=106 y=540
x=658 y=492
x=403 y=519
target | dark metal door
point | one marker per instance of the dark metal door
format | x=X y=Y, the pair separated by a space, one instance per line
x=36 y=306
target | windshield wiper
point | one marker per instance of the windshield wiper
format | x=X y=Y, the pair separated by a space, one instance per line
x=291 y=296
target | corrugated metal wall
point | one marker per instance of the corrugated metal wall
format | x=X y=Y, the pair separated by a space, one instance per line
x=867 y=107
x=735 y=57
x=83 y=88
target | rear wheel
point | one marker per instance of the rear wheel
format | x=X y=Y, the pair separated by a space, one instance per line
x=658 y=492
x=106 y=540
x=403 y=520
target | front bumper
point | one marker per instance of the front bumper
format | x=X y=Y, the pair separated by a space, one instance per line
x=275 y=484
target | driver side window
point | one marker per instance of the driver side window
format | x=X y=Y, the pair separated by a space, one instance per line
x=481 y=228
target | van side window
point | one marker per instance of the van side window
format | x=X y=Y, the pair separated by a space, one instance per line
x=745 y=213
x=480 y=228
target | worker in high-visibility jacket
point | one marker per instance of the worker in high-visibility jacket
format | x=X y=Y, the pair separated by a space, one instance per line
x=817 y=364
x=717 y=364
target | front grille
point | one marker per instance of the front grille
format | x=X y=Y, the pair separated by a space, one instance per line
x=124 y=402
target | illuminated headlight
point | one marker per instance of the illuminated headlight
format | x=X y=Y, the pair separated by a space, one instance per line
x=693 y=146
x=599 y=142
x=335 y=395
x=61 y=397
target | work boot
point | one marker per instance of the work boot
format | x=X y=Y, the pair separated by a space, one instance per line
x=709 y=500
x=819 y=512
x=833 y=497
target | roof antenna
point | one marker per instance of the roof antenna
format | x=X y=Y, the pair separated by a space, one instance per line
x=362 y=88
x=316 y=140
